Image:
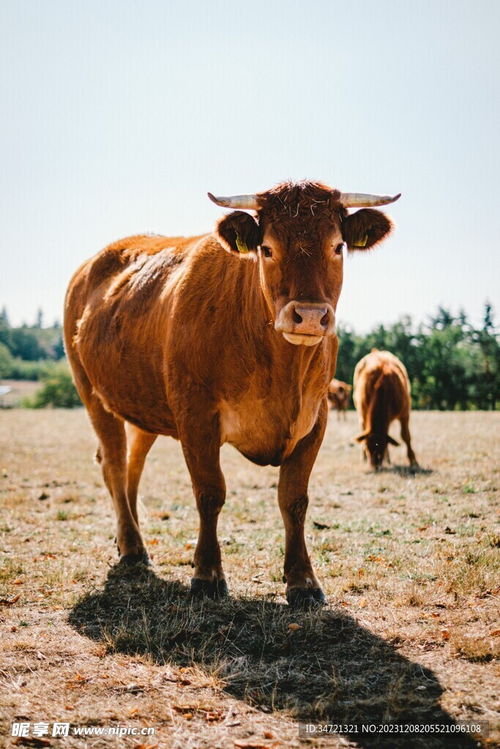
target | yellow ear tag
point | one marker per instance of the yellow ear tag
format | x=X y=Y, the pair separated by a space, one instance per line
x=362 y=242
x=241 y=245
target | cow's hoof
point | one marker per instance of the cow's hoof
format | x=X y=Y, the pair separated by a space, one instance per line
x=130 y=560
x=303 y=598
x=208 y=588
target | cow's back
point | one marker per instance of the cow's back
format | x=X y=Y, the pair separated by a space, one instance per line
x=381 y=383
x=116 y=303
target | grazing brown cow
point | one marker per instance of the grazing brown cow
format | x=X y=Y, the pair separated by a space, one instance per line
x=225 y=337
x=339 y=394
x=382 y=394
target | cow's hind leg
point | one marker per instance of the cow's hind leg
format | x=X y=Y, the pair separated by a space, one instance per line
x=405 y=435
x=139 y=444
x=302 y=585
x=201 y=446
x=112 y=454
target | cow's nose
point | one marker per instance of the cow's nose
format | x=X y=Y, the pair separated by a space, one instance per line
x=308 y=316
x=311 y=319
x=307 y=319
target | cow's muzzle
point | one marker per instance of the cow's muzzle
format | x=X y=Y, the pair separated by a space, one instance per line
x=306 y=323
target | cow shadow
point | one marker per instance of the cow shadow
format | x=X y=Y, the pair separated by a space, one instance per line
x=405 y=471
x=325 y=667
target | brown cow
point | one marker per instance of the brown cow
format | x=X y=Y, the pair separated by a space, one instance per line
x=226 y=337
x=339 y=394
x=382 y=394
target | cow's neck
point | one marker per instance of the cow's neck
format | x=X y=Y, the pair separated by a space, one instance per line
x=379 y=415
x=285 y=362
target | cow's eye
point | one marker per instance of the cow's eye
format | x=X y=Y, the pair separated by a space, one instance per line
x=339 y=248
x=266 y=251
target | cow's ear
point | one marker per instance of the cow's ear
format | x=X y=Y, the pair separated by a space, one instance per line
x=392 y=441
x=365 y=228
x=362 y=437
x=238 y=232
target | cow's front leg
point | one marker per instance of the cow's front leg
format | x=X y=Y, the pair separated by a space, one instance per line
x=201 y=450
x=302 y=585
x=405 y=435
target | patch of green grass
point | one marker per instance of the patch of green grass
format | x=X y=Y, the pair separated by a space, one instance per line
x=469 y=489
x=234 y=548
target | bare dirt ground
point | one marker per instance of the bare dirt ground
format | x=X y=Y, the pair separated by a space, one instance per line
x=409 y=564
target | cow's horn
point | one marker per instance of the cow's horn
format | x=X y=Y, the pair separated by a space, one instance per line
x=236 y=201
x=360 y=199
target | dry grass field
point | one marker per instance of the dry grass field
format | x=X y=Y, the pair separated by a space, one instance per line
x=409 y=564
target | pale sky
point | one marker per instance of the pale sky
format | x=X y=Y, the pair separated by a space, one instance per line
x=119 y=115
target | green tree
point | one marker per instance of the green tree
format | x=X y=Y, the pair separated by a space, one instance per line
x=485 y=379
x=6 y=361
x=57 y=391
x=39 y=319
x=58 y=348
x=443 y=319
x=24 y=343
x=5 y=331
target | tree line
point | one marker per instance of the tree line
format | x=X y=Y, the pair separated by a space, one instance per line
x=451 y=363
x=35 y=352
x=28 y=352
